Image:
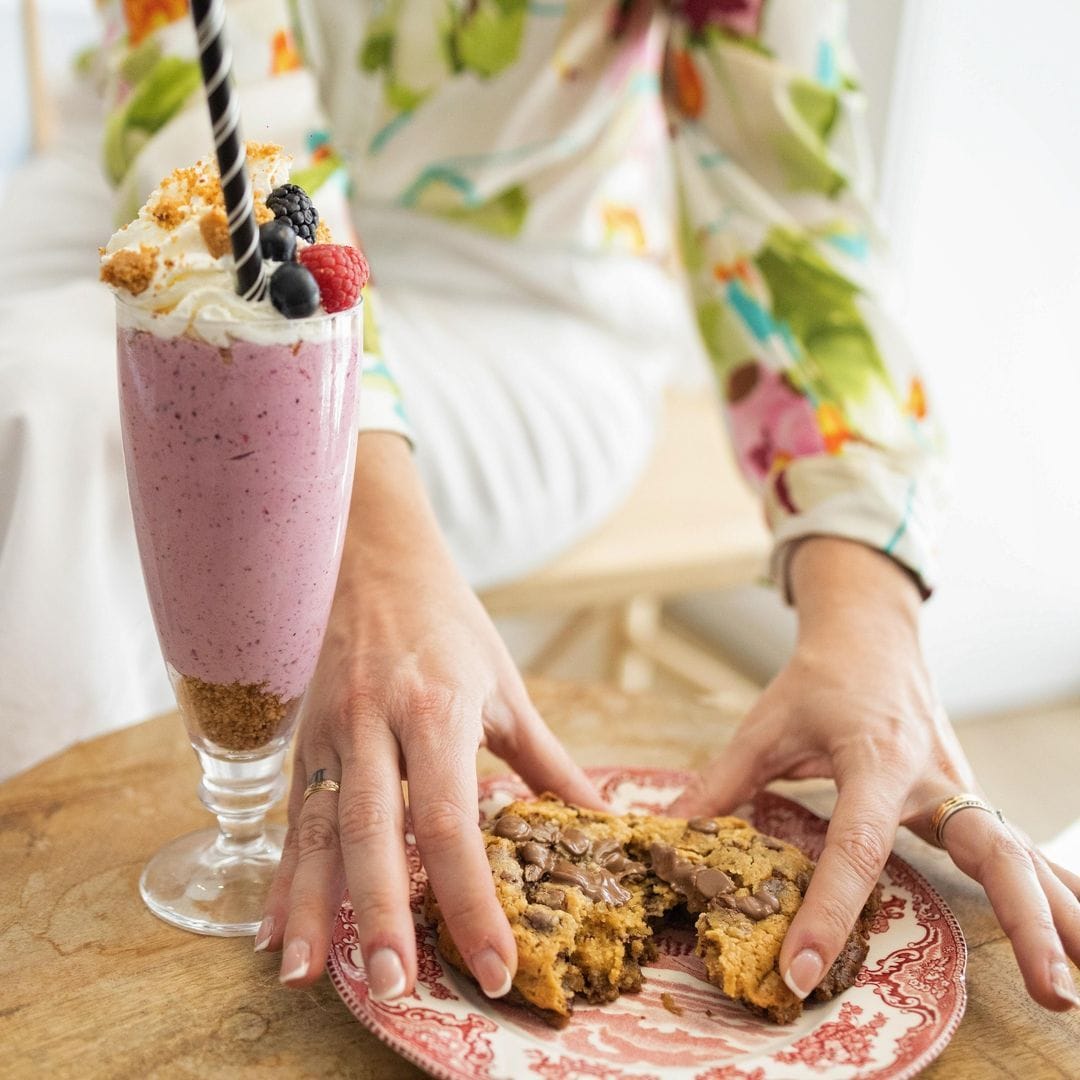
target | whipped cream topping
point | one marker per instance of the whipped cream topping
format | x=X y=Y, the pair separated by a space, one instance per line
x=174 y=270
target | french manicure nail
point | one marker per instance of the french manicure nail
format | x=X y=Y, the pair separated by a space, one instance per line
x=386 y=976
x=804 y=973
x=295 y=962
x=491 y=973
x=1063 y=984
x=263 y=934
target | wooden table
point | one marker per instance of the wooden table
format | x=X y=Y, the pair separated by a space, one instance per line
x=92 y=985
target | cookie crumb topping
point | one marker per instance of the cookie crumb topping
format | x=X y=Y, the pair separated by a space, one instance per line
x=214 y=227
x=131 y=270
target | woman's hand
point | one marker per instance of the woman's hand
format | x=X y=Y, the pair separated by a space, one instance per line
x=855 y=703
x=412 y=679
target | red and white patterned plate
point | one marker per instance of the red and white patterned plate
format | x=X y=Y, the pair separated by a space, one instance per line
x=903 y=1009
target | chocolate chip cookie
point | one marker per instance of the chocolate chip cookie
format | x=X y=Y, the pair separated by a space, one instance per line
x=744 y=887
x=584 y=891
x=575 y=900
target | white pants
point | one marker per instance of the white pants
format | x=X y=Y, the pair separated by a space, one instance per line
x=532 y=383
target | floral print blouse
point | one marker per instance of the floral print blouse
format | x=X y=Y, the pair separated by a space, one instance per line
x=722 y=139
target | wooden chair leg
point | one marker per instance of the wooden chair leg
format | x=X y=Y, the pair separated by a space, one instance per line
x=702 y=667
x=41 y=112
x=643 y=642
x=634 y=625
x=560 y=643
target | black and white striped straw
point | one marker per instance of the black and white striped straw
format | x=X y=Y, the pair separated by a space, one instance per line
x=215 y=58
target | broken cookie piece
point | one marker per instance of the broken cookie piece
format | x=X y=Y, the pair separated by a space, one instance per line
x=575 y=902
x=584 y=891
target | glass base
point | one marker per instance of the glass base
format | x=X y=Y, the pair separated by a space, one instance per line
x=197 y=883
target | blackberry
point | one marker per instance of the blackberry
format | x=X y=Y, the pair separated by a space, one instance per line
x=293 y=291
x=292 y=203
x=277 y=241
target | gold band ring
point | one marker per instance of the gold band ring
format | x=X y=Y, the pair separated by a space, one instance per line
x=953 y=805
x=321 y=785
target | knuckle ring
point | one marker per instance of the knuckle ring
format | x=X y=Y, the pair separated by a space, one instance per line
x=953 y=805
x=320 y=782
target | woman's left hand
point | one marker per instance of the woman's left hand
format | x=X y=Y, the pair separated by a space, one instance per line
x=855 y=703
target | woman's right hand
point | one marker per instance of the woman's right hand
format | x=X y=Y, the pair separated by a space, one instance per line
x=413 y=678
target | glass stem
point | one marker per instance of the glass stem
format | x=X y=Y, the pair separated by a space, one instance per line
x=240 y=793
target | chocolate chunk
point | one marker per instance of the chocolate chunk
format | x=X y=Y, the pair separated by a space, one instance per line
x=533 y=873
x=758 y=906
x=541 y=918
x=536 y=855
x=628 y=870
x=570 y=873
x=772 y=843
x=774 y=886
x=550 y=896
x=545 y=832
x=663 y=860
x=703 y=825
x=512 y=827
x=606 y=850
x=574 y=841
x=610 y=889
x=596 y=884
x=711 y=882
x=669 y=866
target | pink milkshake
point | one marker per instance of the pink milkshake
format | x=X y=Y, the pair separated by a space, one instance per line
x=239 y=426
x=239 y=463
x=238 y=408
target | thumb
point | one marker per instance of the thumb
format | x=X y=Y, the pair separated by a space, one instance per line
x=730 y=779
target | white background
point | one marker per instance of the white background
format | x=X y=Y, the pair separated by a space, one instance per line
x=975 y=111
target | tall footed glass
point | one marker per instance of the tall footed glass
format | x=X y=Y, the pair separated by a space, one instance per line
x=239 y=443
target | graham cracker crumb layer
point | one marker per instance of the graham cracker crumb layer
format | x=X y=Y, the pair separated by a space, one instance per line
x=236 y=716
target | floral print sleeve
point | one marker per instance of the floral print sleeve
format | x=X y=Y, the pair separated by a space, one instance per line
x=156 y=120
x=828 y=416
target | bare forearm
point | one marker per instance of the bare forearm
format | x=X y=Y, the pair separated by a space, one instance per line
x=841 y=587
x=392 y=531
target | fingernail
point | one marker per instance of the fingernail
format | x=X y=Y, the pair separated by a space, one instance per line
x=1062 y=982
x=804 y=973
x=262 y=935
x=295 y=962
x=491 y=973
x=386 y=976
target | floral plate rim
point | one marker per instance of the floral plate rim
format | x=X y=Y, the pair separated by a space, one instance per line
x=665 y=777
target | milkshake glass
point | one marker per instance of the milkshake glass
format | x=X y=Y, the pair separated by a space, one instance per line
x=239 y=443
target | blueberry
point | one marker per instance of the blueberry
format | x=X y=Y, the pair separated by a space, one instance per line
x=293 y=291
x=277 y=241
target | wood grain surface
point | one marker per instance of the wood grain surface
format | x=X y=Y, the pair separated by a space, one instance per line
x=92 y=985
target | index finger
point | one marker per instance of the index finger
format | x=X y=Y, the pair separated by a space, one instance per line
x=857 y=845
x=445 y=815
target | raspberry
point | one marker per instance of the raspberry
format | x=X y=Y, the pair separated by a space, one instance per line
x=340 y=271
x=292 y=203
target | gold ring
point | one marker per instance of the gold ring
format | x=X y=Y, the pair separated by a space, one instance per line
x=320 y=785
x=953 y=805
